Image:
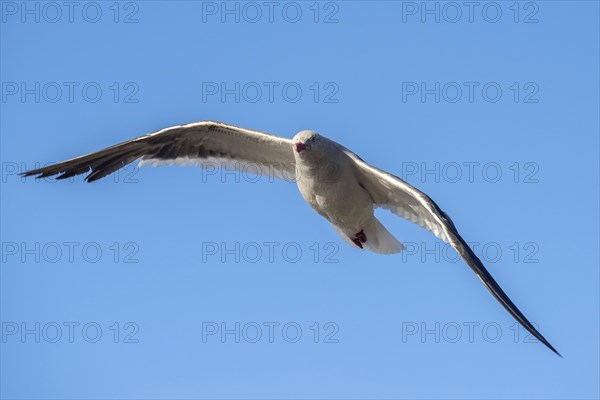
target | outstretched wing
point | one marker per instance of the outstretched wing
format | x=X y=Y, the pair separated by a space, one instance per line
x=391 y=192
x=196 y=143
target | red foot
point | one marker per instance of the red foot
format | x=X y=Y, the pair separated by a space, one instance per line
x=359 y=238
x=357 y=242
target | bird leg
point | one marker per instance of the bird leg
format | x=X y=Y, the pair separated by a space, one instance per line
x=359 y=238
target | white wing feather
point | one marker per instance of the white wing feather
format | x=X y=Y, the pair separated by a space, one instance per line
x=389 y=191
x=198 y=143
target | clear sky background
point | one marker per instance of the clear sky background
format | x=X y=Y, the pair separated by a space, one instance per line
x=122 y=288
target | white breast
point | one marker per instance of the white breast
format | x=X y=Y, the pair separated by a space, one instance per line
x=333 y=191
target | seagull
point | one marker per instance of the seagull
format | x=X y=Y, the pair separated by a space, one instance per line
x=334 y=181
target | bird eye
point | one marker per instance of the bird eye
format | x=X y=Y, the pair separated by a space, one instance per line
x=314 y=138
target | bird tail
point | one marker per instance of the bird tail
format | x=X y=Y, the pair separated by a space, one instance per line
x=379 y=239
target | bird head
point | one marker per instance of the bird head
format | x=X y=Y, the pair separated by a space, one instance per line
x=306 y=141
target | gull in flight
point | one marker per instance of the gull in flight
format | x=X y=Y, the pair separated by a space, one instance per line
x=335 y=182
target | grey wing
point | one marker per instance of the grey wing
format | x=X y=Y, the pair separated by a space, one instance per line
x=391 y=192
x=196 y=143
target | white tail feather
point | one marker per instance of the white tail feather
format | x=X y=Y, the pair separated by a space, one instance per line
x=379 y=239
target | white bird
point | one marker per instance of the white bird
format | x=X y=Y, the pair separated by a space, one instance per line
x=336 y=183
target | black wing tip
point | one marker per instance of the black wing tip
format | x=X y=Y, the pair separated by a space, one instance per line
x=29 y=173
x=558 y=354
x=41 y=173
x=538 y=335
x=36 y=174
x=548 y=345
x=91 y=178
x=486 y=278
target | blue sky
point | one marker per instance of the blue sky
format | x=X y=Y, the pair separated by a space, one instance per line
x=174 y=282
